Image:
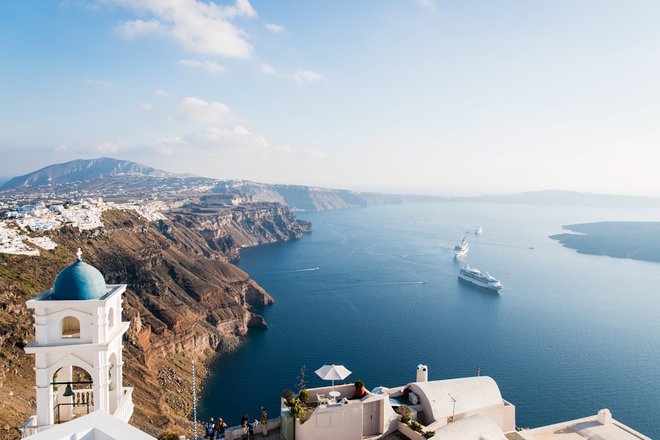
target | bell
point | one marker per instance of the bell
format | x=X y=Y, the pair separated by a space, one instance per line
x=68 y=392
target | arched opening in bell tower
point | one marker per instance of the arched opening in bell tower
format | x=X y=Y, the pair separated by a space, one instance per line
x=73 y=393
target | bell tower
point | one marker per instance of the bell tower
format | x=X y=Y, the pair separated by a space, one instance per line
x=78 y=347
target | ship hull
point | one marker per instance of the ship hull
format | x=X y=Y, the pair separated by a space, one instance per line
x=460 y=254
x=478 y=283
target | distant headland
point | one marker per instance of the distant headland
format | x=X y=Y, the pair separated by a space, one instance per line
x=635 y=240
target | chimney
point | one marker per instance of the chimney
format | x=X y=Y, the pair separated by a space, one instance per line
x=422 y=373
x=604 y=416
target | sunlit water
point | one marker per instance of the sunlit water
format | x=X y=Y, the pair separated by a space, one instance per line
x=375 y=289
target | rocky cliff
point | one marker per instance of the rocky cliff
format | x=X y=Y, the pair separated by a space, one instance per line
x=299 y=197
x=185 y=300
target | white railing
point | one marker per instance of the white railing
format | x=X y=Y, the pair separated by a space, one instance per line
x=83 y=401
x=124 y=410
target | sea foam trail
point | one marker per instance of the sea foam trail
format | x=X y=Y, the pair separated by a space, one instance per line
x=400 y=282
x=304 y=270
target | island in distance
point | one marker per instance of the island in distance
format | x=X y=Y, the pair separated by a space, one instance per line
x=635 y=240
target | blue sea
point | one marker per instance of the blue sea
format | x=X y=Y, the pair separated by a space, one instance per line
x=375 y=289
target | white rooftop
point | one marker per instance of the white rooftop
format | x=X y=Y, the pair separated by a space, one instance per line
x=599 y=427
x=475 y=427
x=470 y=393
x=98 y=425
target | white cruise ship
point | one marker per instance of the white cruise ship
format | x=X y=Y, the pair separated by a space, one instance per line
x=478 y=230
x=461 y=249
x=476 y=277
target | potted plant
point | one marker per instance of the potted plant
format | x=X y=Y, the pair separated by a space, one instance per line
x=360 y=390
x=287 y=394
x=405 y=412
x=303 y=396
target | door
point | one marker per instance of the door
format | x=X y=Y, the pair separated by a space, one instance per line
x=371 y=418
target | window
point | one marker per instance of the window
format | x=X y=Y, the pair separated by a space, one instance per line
x=111 y=318
x=70 y=327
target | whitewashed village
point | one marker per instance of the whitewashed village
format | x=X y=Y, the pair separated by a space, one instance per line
x=80 y=394
x=24 y=228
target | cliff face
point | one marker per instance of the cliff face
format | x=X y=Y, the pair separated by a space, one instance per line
x=228 y=229
x=300 y=197
x=185 y=300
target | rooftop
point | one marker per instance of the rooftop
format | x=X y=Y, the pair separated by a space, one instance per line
x=601 y=427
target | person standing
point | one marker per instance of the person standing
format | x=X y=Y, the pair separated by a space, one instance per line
x=209 y=429
x=248 y=431
x=219 y=429
x=264 y=422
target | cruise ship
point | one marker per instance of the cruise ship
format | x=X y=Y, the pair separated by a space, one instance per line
x=461 y=249
x=476 y=277
x=478 y=230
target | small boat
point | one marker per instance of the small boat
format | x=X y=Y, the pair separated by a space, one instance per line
x=478 y=278
x=461 y=249
x=478 y=230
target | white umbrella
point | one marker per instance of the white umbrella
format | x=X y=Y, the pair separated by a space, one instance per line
x=332 y=372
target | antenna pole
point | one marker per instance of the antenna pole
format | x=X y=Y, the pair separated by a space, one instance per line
x=453 y=411
x=194 y=391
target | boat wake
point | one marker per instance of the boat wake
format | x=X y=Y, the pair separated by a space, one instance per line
x=393 y=283
x=309 y=269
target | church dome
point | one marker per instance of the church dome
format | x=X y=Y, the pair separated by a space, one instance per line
x=80 y=281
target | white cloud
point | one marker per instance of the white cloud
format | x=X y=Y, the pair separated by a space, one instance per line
x=170 y=145
x=139 y=28
x=199 y=26
x=97 y=82
x=274 y=28
x=210 y=66
x=242 y=8
x=147 y=107
x=315 y=154
x=429 y=4
x=227 y=138
x=307 y=76
x=202 y=112
x=61 y=147
x=162 y=93
x=106 y=147
x=267 y=69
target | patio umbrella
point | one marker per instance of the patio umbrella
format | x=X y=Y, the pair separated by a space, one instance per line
x=332 y=372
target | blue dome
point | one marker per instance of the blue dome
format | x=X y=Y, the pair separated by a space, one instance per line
x=80 y=281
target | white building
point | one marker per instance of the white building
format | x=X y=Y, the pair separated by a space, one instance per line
x=470 y=408
x=78 y=349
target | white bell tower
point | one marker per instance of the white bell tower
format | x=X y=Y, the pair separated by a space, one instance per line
x=78 y=324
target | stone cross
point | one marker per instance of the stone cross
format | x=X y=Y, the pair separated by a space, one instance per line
x=79 y=254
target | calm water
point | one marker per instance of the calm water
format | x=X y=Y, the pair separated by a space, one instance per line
x=569 y=333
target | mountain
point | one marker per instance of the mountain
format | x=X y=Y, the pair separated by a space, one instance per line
x=114 y=178
x=84 y=170
x=299 y=197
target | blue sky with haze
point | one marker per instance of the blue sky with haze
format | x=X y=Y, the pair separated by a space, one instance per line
x=442 y=97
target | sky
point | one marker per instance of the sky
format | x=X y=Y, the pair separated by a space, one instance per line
x=416 y=96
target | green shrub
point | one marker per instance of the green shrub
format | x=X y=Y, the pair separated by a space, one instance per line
x=416 y=426
x=287 y=394
x=168 y=435
x=405 y=412
x=429 y=434
x=359 y=384
x=304 y=395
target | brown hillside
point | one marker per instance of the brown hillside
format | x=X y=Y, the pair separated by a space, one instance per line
x=185 y=301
